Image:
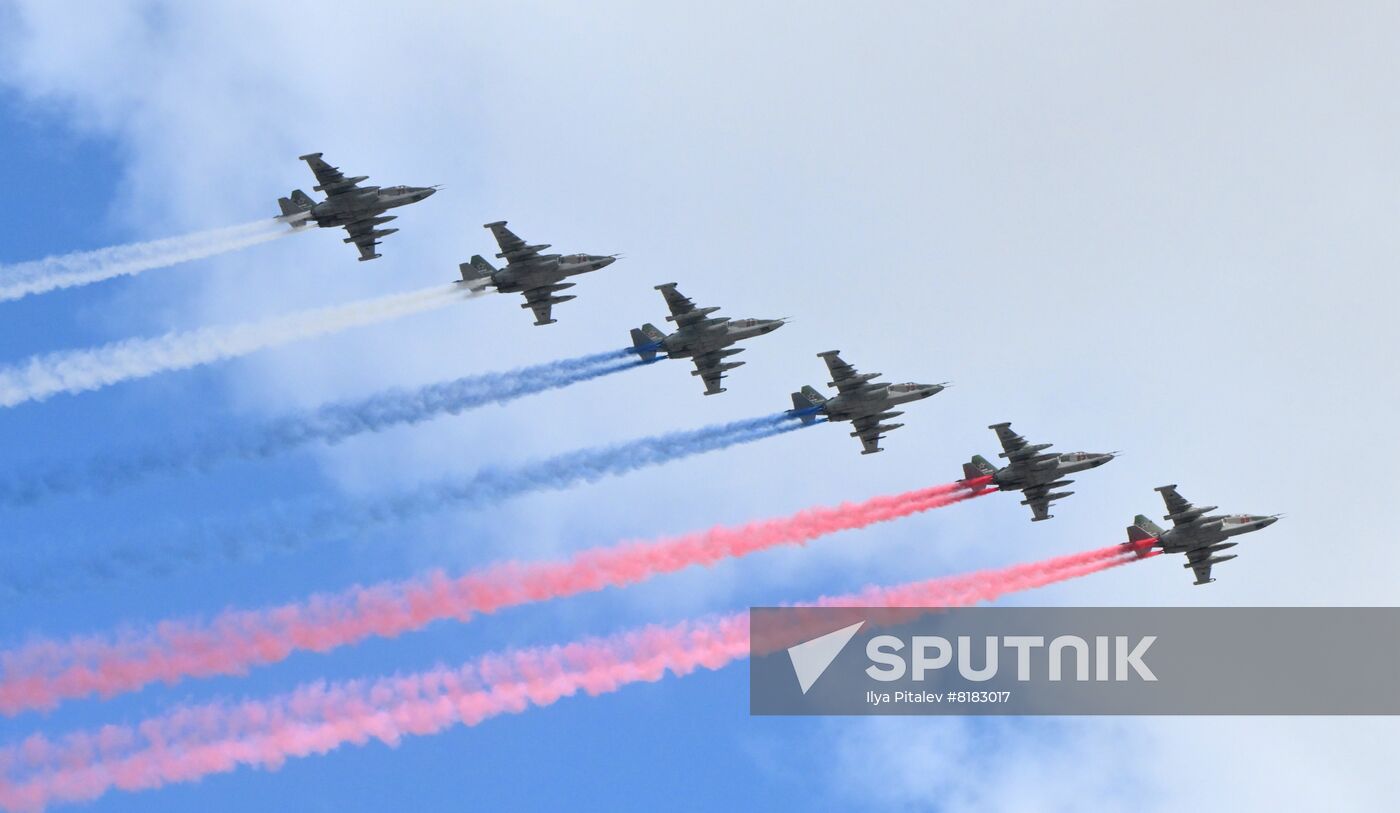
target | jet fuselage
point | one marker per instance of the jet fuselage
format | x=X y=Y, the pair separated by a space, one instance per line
x=340 y=210
x=545 y=269
x=695 y=340
x=1207 y=531
x=1017 y=476
x=870 y=399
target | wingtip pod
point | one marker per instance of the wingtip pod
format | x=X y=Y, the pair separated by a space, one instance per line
x=663 y=286
x=493 y=225
x=828 y=353
x=310 y=156
x=1002 y=425
x=1165 y=488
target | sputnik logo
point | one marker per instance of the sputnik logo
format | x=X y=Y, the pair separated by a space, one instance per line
x=811 y=658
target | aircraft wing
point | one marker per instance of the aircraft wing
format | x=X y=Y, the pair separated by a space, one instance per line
x=513 y=249
x=1037 y=497
x=710 y=367
x=329 y=179
x=541 y=299
x=362 y=234
x=1015 y=448
x=1199 y=560
x=869 y=430
x=1176 y=503
x=843 y=376
x=683 y=310
x=541 y=303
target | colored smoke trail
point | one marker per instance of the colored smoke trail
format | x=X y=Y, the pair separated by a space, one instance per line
x=43 y=673
x=331 y=423
x=85 y=267
x=191 y=742
x=76 y=371
x=282 y=528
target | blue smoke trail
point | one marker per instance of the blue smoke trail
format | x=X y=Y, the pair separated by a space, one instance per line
x=331 y=423
x=284 y=528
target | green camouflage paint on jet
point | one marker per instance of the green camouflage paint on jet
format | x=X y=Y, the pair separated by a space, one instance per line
x=1033 y=471
x=699 y=336
x=357 y=209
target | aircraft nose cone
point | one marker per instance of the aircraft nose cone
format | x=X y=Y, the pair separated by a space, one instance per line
x=1267 y=521
x=606 y=261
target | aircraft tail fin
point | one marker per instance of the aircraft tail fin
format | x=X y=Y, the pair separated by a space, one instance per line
x=298 y=203
x=806 y=402
x=1143 y=525
x=646 y=340
x=978 y=467
x=477 y=273
x=1142 y=531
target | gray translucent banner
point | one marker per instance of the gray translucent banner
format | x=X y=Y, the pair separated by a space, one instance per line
x=1099 y=660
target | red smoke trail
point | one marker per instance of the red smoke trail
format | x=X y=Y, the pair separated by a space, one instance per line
x=44 y=673
x=189 y=743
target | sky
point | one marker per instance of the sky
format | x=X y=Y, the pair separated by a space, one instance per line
x=1160 y=228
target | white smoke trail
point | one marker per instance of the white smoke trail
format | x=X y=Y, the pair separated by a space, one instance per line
x=78 y=370
x=86 y=267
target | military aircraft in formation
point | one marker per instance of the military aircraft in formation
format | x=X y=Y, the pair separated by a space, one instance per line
x=1031 y=470
x=538 y=276
x=699 y=336
x=1195 y=532
x=860 y=400
x=357 y=209
x=707 y=340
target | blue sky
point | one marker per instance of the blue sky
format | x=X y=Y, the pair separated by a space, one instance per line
x=1118 y=228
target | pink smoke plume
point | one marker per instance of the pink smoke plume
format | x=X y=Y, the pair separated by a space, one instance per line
x=191 y=742
x=43 y=673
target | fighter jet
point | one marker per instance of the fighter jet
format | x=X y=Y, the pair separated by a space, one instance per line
x=358 y=209
x=699 y=336
x=1031 y=470
x=859 y=400
x=537 y=276
x=1195 y=534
